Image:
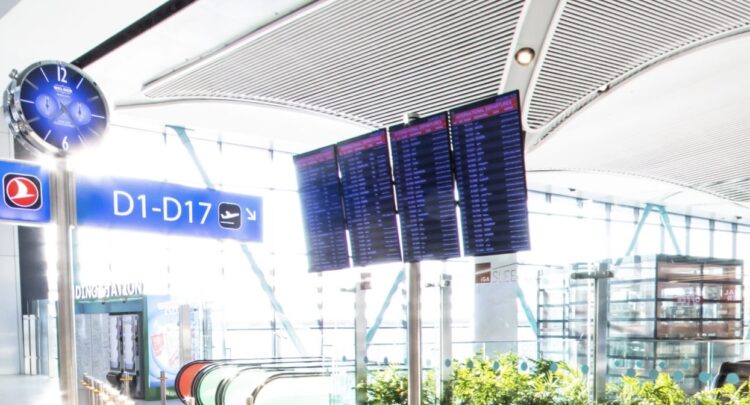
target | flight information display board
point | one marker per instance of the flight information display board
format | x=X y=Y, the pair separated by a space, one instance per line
x=490 y=175
x=424 y=189
x=322 y=210
x=368 y=199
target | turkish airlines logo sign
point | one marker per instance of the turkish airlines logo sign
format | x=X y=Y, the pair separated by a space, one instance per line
x=22 y=191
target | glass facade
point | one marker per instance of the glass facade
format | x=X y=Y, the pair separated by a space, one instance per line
x=218 y=277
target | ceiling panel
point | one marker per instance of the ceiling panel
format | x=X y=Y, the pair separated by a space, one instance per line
x=364 y=61
x=683 y=122
x=596 y=42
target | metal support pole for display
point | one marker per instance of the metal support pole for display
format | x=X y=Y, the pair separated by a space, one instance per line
x=446 y=340
x=709 y=358
x=414 y=327
x=601 y=275
x=186 y=336
x=66 y=311
x=126 y=379
x=360 y=341
x=600 y=333
x=163 y=385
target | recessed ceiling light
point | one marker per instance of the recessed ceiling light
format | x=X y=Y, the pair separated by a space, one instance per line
x=524 y=56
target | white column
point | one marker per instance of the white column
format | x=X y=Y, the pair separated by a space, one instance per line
x=495 y=304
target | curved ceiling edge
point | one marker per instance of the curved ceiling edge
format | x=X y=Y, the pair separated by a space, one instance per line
x=631 y=175
x=255 y=100
x=535 y=137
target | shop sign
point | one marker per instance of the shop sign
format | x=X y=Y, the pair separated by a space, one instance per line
x=98 y=292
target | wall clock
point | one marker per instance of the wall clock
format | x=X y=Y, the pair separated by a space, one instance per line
x=55 y=108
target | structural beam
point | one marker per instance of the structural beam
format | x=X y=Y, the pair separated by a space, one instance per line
x=386 y=303
x=267 y=289
x=664 y=218
x=130 y=32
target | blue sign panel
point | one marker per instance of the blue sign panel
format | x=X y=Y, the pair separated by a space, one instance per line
x=26 y=195
x=152 y=206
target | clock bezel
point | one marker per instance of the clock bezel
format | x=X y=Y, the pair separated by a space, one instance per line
x=17 y=121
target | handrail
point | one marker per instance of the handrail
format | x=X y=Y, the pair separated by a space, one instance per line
x=225 y=384
x=274 y=365
x=254 y=395
x=180 y=375
x=207 y=362
x=195 y=384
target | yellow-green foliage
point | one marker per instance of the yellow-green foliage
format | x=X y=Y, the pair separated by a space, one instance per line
x=662 y=391
x=481 y=381
x=499 y=381
x=391 y=387
x=726 y=395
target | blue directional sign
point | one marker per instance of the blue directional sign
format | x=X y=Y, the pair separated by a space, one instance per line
x=152 y=206
x=26 y=195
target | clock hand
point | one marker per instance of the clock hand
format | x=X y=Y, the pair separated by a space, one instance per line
x=64 y=108
x=59 y=113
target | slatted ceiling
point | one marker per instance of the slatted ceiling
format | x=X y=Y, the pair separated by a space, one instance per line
x=366 y=60
x=705 y=157
x=598 y=41
x=736 y=190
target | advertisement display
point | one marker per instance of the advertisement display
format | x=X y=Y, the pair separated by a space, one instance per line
x=163 y=340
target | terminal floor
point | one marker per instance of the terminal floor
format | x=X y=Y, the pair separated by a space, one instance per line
x=41 y=390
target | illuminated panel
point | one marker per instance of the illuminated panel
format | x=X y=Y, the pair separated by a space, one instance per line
x=490 y=175
x=424 y=189
x=322 y=210
x=368 y=199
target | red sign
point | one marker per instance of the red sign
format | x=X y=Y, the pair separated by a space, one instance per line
x=22 y=191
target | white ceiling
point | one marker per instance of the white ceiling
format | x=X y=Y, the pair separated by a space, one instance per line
x=35 y=30
x=673 y=133
x=368 y=62
x=201 y=28
x=681 y=126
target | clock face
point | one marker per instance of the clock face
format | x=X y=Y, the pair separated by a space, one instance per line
x=61 y=109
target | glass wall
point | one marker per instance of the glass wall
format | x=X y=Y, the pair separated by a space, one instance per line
x=220 y=278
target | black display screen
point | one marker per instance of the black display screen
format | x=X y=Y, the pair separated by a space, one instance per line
x=322 y=210
x=424 y=189
x=368 y=199
x=490 y=175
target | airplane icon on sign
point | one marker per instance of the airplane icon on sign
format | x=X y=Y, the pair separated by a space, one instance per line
x=229 y=215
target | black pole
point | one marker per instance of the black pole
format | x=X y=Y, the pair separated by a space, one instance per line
x=135 y=29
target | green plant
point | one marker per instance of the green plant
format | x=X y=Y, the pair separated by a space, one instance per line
x=391 y=387
x=662 y=391
x=485 y=381
x=571 y=385
x=726 y=395
x=481 y=381
x=476 y=381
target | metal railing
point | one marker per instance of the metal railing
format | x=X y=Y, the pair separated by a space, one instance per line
x=102 y=393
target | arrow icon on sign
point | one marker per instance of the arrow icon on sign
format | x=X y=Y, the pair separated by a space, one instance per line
x=251 y=215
